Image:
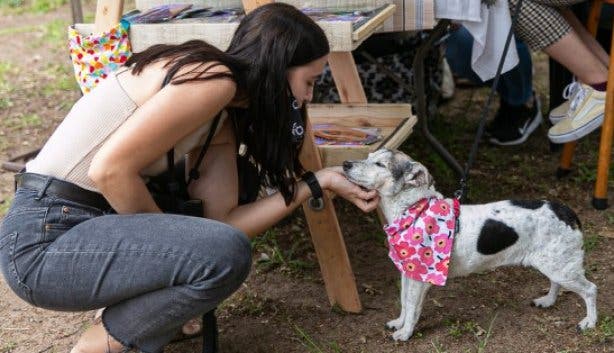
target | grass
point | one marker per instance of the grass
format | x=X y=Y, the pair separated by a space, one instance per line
x=6 y=88
x=247 y=303
x=482 y=342
x=457 y=329
x=272 y=255
x=23 y=121
x=19 y=7
x=312 y=345
x=4 y=205
x=8 y=347
x=438 y=347
x=591 y=241
x=52 y=33
x=62 y=79
x=603 y=332
x=17 y=30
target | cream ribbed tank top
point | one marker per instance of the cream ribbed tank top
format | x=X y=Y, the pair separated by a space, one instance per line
x=69 y=151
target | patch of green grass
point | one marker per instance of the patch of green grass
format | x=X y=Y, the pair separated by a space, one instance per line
x=43 y=6
x=18 y=7
x=247 y=304
x=63 y=79
x=273 y=256
x=606 y=326
x=457 y=329
x=603 y=332
x=6 y=88
x=8 y=347
x=438 y=347
x=24 y=121
x=591 y=241
x=54 y=33
x=313 y=346
x=16 y=30
x=4 y=206
x=585 y=173
x=11 y=3
x=6 y=68
x=482 y=342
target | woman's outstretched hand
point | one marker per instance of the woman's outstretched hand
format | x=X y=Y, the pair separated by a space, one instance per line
x=334 y=180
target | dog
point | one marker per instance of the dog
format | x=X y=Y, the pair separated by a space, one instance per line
x=542 y=234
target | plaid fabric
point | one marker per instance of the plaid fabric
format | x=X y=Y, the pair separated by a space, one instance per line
x=540 y=24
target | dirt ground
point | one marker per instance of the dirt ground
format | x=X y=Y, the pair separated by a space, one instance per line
x=283 y=306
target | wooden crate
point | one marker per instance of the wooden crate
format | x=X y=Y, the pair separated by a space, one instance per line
x=395 y=121
x=410 y=15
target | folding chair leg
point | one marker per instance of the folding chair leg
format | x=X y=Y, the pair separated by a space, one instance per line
x=566 y=158
x=210 y=332
x=600 y=199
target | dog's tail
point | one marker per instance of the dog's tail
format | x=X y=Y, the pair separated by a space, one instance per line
x=565 y=214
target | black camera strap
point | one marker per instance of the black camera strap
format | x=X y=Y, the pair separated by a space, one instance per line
x=194 y=174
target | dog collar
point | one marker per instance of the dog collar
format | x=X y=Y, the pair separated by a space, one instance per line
x=420 y=240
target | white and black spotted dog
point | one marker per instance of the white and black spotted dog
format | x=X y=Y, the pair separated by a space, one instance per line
x=541 y=234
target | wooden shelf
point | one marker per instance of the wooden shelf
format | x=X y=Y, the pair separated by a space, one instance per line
x=395 y=121
x=340 y=34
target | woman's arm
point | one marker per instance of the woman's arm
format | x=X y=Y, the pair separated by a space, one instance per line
x=256 y=217
x=152 y=130
x=217 y=186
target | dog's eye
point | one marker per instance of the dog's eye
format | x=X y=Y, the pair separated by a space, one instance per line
x=380 y=164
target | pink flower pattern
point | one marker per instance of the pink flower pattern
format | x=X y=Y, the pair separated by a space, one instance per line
x=441 y=208
x=420 y=241
x=443 y=244
x=414 y=269
x=426 y=256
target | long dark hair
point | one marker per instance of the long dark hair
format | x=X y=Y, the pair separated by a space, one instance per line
x=269 y=40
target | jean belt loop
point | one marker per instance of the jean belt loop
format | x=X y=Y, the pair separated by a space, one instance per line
x=42 y=191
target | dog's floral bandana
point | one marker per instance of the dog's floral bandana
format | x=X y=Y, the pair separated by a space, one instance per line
x=97 y=55
x=420 y=240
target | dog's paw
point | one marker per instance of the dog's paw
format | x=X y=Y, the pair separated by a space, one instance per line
x=394 y=324
x=585 y=324
x=544 y=302
x=402 y=334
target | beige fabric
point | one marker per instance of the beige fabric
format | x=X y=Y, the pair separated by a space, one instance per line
x=69 y=151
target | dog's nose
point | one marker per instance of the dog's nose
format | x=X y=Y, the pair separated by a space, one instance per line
x=347 y=165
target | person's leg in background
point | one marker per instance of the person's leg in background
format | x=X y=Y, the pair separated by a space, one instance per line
x=519 y=110
x=542 y=26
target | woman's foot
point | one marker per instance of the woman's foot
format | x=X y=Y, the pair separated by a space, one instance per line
x=192 y=327
x=189 y=330
x=559 y=113
x=585 y=115
x=96 y=339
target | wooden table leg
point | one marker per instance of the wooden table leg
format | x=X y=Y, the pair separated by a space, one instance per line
x=345 y=74
x=328 y=240
x=323 y=225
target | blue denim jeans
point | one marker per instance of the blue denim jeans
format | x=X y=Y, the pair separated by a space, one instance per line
x=515 y=86
x=152 y=272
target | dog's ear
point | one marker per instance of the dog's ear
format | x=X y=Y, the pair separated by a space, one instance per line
x=418 y=176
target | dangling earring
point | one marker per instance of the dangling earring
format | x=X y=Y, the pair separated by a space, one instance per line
x=295 y=104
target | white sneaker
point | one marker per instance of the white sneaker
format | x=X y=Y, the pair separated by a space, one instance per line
x=559 y=113
x=585 y=115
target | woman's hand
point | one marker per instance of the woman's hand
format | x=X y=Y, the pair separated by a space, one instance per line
x=334 y=180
